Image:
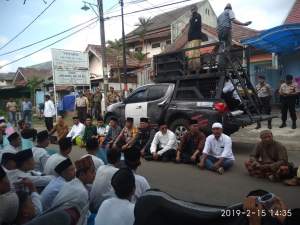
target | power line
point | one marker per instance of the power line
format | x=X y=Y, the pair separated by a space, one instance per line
x=53 y=43
x=25 y=28
x=147 y=9
x=45 y=39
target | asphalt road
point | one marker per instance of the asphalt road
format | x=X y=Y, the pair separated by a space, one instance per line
x=188 y=183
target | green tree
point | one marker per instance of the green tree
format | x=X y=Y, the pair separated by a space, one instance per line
x=33 y=84
x=143 y=25
x=139 y=55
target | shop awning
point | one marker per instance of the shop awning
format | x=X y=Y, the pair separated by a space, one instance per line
x=281 y=40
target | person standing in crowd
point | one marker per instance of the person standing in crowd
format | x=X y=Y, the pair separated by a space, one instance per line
x=195 y=37
x=11 y=107
x=101 y=188
x=76 y=132
x=127 y=135
x=66 y=173
x=49 y=112
x=27 y=111
x=123 y=183
x=191 y=144
x=25 y=166
x=82 y=105
x=112 y=96
x=74 y=194
x=164 y=144
x=288 y=92
x=217 y=153
x=92 y=147
x=264 y=92
x=97 y=101
x=269 y=159
x=90 y=130
x=61 y=128
x=90 y=97
x=144 y=137
x=65 y=148
x=113 y=132
x=132 y=159
x=40 y=154
x=224 y=27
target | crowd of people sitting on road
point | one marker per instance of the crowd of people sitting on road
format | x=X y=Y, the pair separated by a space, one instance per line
x=103 y=186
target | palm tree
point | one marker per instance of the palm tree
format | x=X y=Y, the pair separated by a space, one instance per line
x=116 y=48
x=143 y=25
x=139 y=56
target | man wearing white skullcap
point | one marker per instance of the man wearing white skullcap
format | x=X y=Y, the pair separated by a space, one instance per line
x=217 y=153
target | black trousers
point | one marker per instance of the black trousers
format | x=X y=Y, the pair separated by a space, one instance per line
x=288 y=104
x=49 y=123
x=266 y=106
x=169 y=155
x=82 y=114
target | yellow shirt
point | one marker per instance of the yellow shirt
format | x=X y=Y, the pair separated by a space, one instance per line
x=82 y=102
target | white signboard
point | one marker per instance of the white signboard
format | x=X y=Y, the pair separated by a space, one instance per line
x=70 y=67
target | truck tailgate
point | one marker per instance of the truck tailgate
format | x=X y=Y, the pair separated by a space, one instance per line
x=245 y=120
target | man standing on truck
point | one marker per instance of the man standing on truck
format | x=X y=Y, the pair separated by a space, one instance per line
x=195 y=37
x=217 y=153
x=288 y=93
x=224 y=28
x=264 y=92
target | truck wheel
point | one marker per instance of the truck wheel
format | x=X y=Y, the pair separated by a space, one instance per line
x=179 y=127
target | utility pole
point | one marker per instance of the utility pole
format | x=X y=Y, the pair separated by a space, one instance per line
x=124 y=46
x=103 y=51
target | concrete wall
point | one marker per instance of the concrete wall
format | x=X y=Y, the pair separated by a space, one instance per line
x=290 y=64
x=152 y=51
x=207 y=14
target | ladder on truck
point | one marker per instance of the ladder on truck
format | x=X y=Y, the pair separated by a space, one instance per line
x=240 y=79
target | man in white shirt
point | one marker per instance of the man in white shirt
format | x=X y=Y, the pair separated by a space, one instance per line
x=77 y=131
x=133 y=160
x=102 y=188
x=65 y=148
x=66 y=172
x=40 y=154
x=25 y=165
x=74 y=194
x=49 y=112
x=231 y=96
x=92 y=146
x=164 y=144
x=217 y=153
x=123 y=183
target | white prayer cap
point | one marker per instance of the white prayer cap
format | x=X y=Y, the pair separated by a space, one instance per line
x=217 y=125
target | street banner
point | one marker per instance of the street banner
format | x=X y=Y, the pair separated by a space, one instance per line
x=70 y=67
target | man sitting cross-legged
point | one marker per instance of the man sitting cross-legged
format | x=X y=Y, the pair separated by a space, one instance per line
x=191 y=144
x=217 y=153
x=269 y=158
x=164 y=144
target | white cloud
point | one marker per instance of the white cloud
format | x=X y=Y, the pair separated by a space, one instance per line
x=6 y=68
x=40 y=57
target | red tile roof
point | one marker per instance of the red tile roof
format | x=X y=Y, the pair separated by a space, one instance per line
x=30 y=73
x=294 y=14
x=238 y=33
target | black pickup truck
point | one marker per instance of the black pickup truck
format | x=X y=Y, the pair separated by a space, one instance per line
x=182 y=98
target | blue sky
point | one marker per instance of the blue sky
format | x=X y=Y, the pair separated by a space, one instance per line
x=14 y=16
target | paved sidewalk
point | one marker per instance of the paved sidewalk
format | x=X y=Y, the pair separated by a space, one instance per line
x=289 y=137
